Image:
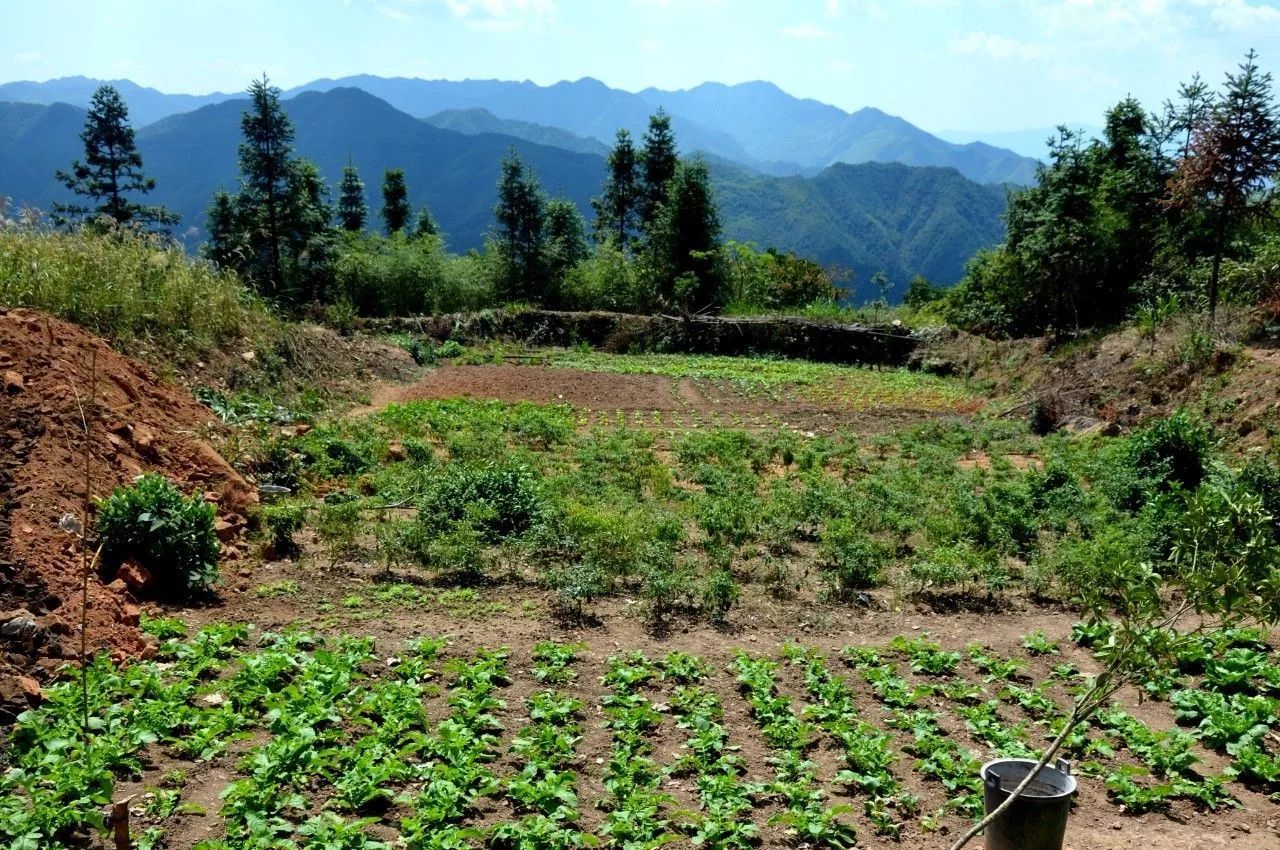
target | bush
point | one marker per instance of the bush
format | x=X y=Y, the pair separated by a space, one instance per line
x=719 y=593
x=501 y=499
x=283 y=520
x=169 y=534
x=850 y=559
x=1174 y=451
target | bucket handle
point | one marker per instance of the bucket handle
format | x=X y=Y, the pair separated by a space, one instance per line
x=992 y=780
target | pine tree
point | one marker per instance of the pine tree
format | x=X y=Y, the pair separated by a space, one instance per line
x=618 y=207
x=266 y=163
x=352 y=211
x=227 y=245
x=395 y=200
x=425 y=225
x=657 y=167
x=520 y=216
x=1232 y=158
x=566 y=243
x=686 y=240
x=111 y=171
x=309 y=232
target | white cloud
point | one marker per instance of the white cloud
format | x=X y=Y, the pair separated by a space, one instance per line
x=1240 y=15
x=994 y=46
x=27 y=57
x=806 y=30
x=478 y=14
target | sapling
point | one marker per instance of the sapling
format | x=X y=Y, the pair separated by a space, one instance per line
x=1223 y=572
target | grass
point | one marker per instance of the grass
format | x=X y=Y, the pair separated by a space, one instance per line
x=853 y=386
x=129 y=288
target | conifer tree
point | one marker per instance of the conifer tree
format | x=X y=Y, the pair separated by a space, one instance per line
x=520 y=217
x=657 y=166
x=352 y=211
x=111 y=170
x=226 y=246
x=1232 y=158
x=395 y=200
x=425 y=225
x=618 y=207
x=566 y=243
x=686 y=240
x=266 y=163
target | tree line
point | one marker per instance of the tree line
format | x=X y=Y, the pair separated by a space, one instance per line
x=1164 y=209
x=655 y=242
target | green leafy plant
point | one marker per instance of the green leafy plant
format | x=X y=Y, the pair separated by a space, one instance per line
x=171 y=535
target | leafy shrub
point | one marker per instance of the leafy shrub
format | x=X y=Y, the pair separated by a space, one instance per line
x=1174 y=451
x=456 y=551
x=957 y=567
x=719 y=592
x=283 y=520
x=338 y=523
x=449 y=348
x=502 y=499
x=1262 y=476
x=850 y=560
x=168 y=533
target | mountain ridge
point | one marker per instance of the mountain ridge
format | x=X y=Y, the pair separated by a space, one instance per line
x=845 y=215
x=756 y=124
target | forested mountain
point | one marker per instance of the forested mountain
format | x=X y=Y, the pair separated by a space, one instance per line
x=773 y=126
x=754 y=124
x=473 y=122
x=145 y=104
x=870 y=217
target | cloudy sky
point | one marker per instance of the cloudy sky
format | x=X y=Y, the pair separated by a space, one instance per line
x=993 y=65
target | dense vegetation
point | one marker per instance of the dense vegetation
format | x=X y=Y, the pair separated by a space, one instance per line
x=1168 y=208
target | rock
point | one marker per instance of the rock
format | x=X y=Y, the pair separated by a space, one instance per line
x=143 y=438
x=136 y=577
x=226 y=531
x=13 y=382
x=31 y=689
x=396 y=451
x=248 y=356
x=1088 y=426
x=130 y=614
x=21 y=627
x=118 y=587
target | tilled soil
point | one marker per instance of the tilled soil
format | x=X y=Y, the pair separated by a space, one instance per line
x=634 y=399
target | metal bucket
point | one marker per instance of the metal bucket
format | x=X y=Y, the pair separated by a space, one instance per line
x=1037 y=820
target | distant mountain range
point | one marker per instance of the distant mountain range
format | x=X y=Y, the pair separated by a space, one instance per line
x=754 y=124
x=1032 y=143
x=905 y=220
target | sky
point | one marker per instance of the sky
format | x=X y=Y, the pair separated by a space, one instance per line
x=983 y=65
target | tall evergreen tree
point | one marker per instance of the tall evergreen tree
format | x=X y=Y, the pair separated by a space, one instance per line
x=686 y=240
x=395 y=200
x=566 y=244
x=111 y=170
x=1232 y=160
x=308 y=229
x=618 y=207
x=425 y=224
x=520 y=217
x=352 y=211
x=266 y=163
x=226 y=246
x=657 y=167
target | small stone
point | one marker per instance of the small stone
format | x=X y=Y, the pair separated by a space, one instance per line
x=130 y=614
x=135 y=576
x=214 y=699
x=31 y=689
x=248 y=356
x=225 y=530
x=13 y=382
x=396 y=451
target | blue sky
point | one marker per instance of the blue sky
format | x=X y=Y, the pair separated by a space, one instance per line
x=993 y=65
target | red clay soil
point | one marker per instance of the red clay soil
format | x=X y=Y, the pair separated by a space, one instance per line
x=138 y=424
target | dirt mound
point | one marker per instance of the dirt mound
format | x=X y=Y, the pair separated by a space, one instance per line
x=137 y=425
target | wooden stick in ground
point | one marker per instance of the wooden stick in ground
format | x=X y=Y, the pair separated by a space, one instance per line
x=120 y=824
x=86 y=418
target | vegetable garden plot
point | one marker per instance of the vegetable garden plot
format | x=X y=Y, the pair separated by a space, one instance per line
x=330 y=744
